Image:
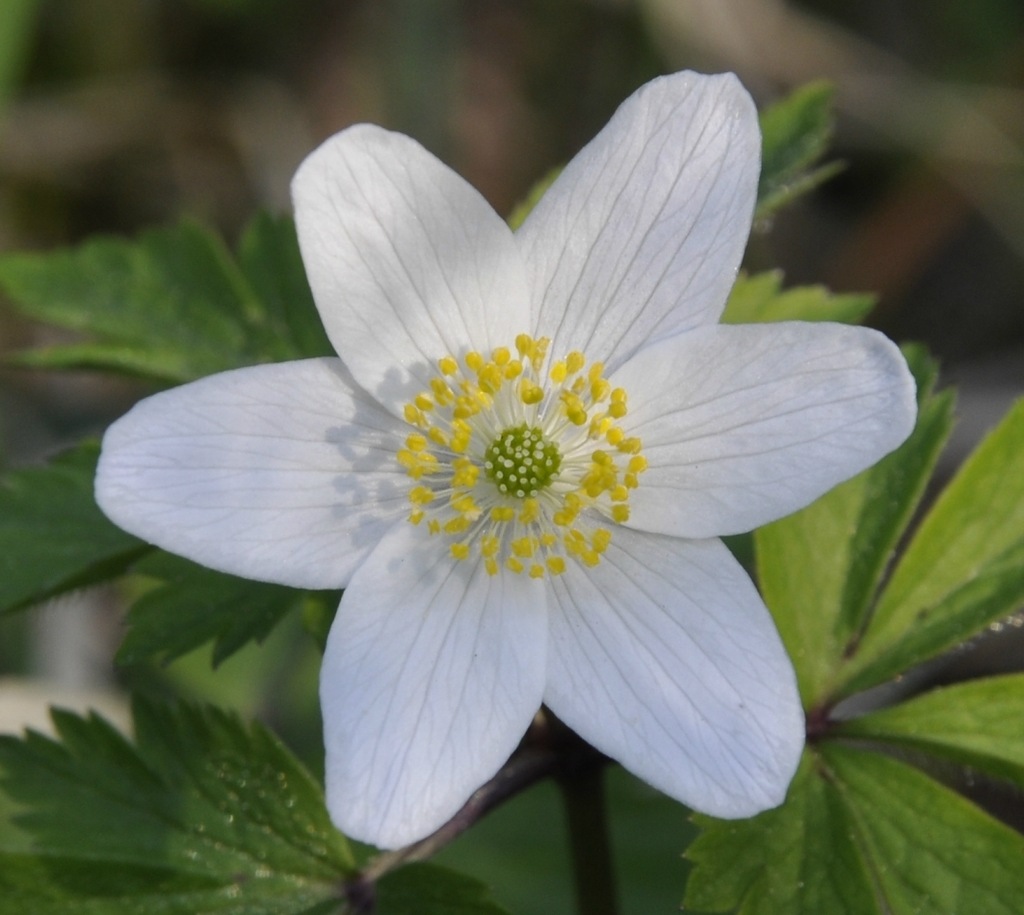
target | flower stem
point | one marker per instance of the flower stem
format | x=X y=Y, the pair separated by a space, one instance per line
x=589 y=843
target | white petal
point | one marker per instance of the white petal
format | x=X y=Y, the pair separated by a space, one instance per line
x=642 y=233
x=407 y=262
x=282 y=473
x=744 y=424
x=432 y=673
x=664 y=657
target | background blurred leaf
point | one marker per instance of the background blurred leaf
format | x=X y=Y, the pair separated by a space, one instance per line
x=202 y=814
x=818 y=569
x=795 y=133
x=426 y=889
x=53 y=537
x=760 y=298
x=17 y=25
x=964 y=568
x=172 y=305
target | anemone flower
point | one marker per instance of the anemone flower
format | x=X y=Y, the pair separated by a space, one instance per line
x=520 y=461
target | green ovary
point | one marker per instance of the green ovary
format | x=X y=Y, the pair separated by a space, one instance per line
x=521 y=461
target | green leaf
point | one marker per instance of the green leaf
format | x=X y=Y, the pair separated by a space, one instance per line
x=172 y=305
x=961 y=571
x=795 y=134
x=202 y=814
x=426 y=889
x=859 y=834
x=799 y=859
x=930 y=849
x=193 y=605
x=759 y=298
x=269 y=257
x=52 y=535
x=523 y=209
x=977 y=723
x=818 y=569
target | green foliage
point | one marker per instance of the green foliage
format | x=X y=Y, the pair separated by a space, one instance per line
x=203 y=814
x=425 y=889
x=172 y=305
x=861 y=833
x=193 y=605
x=819 y=567
x=795 y=135
x=963 y=569
x=17 y=24
x=760 y=298
x=977 y=723
x=52 y=536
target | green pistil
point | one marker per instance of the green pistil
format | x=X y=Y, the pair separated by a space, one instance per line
x=521 y=461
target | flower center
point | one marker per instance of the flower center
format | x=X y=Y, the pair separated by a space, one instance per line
x=519 y=462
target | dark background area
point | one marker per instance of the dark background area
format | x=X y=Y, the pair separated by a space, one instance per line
x=116 y=115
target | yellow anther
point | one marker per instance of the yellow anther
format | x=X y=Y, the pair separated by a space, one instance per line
x=620 y=493
x=465 y=505
x=617 y=410
x=524 y=344
x=530 y=392
x=456 y=525
x=475 y=361
x=630 y=445
x=491 y=378
x=442 y=393
x=514 y=369
x=465 y=473
x=503 y=513
x=637 y=464
x=416 y=442
x=599 y=389
x=501 y=355
x=524 y=547
x=555 y=564
x=547 y=539
x=437 y=436
x=575 y=361
x=514 y=565
x=619 y=395
x=602 y=458
x=460 y=550
x=558 y=372
x=600 y=539
x=414 y=416
x=489 y=545
x=596 y=371
x=434 y=526
x=530 y=511
x=615 y=435
x=620 y=513
x=420 y=495
x=536 y=570
x=491 y=565
x=631 y=481
x=416 y=516
x=447 y=365
x=424 y=401
x=590 y=557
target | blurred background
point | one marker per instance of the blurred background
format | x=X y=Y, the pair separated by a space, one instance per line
x=117 y=115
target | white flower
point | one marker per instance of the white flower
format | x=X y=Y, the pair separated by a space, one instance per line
x=519 y=464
